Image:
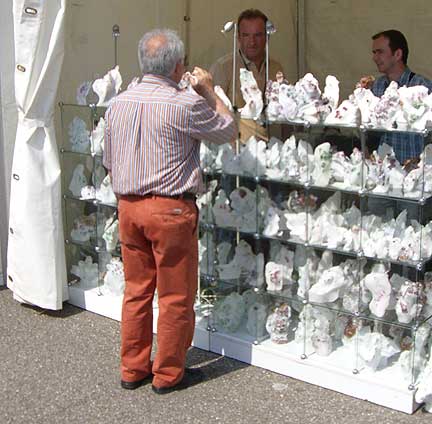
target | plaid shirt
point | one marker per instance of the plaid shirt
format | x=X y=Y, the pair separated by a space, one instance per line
x=405 y=145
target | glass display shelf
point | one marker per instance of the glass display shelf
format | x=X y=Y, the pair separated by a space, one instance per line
x=263 y=120
x=93 y=247
x=293 y=241
x=87 y=154
x=421 y=197
x=95 y=202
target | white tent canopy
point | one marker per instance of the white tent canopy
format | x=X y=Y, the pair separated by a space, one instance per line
x=322 y=37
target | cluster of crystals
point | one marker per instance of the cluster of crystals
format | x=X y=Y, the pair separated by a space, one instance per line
x=96 y=226
x=347 y=285
x=403 y=108
x=105 y=88
x=111 y=233
x=298 y=218
x=79 y=136
x=244 y=209
x=114 y=281
x=231 y=312
x=380 y=172
x=86 y=227
x=242 y=264
x=322 y=282
x=87 y=271
x=112 y=274
x=303 y=101
x=351 y=285
x=101 y=189
x=251 y=95
x=80 y=139
x=323 y=330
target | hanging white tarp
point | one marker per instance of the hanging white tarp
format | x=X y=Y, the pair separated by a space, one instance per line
x=35 y=261
x=8 y=122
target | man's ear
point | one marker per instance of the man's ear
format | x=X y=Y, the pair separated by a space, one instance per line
x=398 y=54
x=179 y=70
x=179 y=67
x=177 y=73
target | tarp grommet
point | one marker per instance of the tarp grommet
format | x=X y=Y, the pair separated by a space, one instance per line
x=30 y=11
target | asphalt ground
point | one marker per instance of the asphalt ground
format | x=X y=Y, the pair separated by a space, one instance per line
x=63 y=367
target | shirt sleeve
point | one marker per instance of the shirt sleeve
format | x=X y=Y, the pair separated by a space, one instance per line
x=206 y=124
x=107 y=141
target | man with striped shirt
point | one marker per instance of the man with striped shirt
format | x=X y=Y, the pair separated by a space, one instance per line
x=152 y=143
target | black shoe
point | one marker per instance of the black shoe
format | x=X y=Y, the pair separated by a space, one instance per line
x=132 y=385
x=191 y=377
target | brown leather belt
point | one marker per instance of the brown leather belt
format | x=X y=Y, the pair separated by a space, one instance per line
x=184 y=196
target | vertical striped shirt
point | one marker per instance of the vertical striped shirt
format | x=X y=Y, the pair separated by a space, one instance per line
x=152 y=138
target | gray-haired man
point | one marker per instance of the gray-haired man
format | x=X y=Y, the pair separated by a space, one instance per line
x=152 y=143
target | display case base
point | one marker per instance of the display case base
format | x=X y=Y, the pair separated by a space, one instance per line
x=92 y=301
x=110 y=306
x=386 y=387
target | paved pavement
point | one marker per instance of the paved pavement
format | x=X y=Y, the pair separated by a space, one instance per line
x=62 y=367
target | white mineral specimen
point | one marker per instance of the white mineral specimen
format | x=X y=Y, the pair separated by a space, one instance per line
x=251 y=94
x=108 y=87
x=78 y=181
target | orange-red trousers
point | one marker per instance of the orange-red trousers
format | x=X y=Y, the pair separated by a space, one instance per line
x=160 y=251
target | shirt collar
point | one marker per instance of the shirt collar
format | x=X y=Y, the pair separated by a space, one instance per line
x=245 y=60
x=248 y=63
x=403 y=79
x=160 y=80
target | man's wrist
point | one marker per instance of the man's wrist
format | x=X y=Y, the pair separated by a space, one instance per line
x=206 y=90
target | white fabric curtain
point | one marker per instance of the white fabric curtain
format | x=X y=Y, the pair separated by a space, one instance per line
x=36 y=270
x=8 y=122
x=3 y=202
x=3 y=221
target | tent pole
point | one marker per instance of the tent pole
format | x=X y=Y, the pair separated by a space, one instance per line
x=186 y=20
x=301 y=35
x=116 y=35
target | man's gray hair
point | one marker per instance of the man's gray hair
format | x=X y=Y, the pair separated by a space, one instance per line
x=159 y=51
